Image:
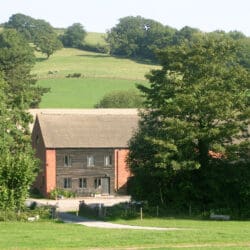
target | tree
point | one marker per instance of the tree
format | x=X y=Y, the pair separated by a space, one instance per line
x=16 y=61
x=23 y=24
x=36 y=31
x=244 y=51
x=74 y=36
x=18 y=92
x=185 y=34
x=18 y=165
x=48 y=44
x=138 y=37
x=121 y=99
x=197 y=105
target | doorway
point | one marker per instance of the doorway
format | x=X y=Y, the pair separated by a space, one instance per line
x=105 y=184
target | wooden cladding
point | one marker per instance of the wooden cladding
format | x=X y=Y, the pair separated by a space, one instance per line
x=84 y=168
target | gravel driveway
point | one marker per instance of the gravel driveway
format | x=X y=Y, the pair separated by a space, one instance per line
x=65 y=205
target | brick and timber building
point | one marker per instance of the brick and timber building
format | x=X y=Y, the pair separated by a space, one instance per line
x=83 y=151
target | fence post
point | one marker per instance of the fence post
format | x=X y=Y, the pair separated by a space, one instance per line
x=157 y=211
x=141 y=213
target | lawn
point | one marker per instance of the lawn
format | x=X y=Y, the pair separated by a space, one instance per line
x=100 y=74
x=195 y=234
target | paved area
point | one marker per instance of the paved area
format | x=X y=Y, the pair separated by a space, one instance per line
x=69 y=218
x=66 y=205
x=73 y=204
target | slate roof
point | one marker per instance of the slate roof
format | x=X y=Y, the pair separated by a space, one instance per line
x=91 y=129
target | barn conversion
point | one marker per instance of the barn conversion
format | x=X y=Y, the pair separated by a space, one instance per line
x=83 y=151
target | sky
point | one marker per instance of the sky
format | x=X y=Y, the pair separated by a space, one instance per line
x=102 y=15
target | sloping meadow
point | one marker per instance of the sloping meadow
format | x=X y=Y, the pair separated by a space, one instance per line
x=79 y=79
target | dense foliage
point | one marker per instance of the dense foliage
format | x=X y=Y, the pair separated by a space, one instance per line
x=17 y=93
x=195 y=127
x=16 y=61
x=74 y=36
x=121 y=99
x=138 y=37
x=36 y=31
x=18 y=166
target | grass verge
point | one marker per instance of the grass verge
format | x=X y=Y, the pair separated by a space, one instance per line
x=197 y=235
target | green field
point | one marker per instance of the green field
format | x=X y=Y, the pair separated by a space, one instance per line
x=80 y=93
x=95 y=38
x=194 y=234
x=100 y=74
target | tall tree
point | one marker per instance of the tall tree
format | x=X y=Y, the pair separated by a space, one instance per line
x=138 y=37
x=74 y=36
x=37 y=31
x=185 y=34
x=16 y=61
x=18 y=165
x=197 y=108
x=18 y=92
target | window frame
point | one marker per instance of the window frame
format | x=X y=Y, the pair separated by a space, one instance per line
x=67 y=182
x=82 y=183
x=97 y=182
x=108 y=160
x=67 y=160
x=90 y=161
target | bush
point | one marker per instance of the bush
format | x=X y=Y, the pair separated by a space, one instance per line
x=9 y=215
x=97 y=48
x=121 y=99
x=126 y=210
x=60 y=193
x=74 y=75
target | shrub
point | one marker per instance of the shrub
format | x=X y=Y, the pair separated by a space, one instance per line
x=121 y=99
x=98 y=48
x=44 y=212
x=60 y=193
x=74 y=75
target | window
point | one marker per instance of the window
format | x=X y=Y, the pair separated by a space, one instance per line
x=97 y=182
x=82 y=182
x=67 y=161
x=90 y=161
x=108 y=160
x=67 y=182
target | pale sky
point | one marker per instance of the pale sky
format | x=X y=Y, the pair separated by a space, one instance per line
x=102 y=15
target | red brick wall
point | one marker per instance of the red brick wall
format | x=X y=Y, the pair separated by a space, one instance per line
x=122 y=172
x=50 y=171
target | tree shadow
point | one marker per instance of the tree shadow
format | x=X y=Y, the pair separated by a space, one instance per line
x=138 y=60
x=95 y=56
x=134 y=59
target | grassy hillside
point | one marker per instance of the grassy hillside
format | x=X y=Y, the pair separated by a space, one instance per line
x=89 y=64
x=95 y=38
x=100 y=74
